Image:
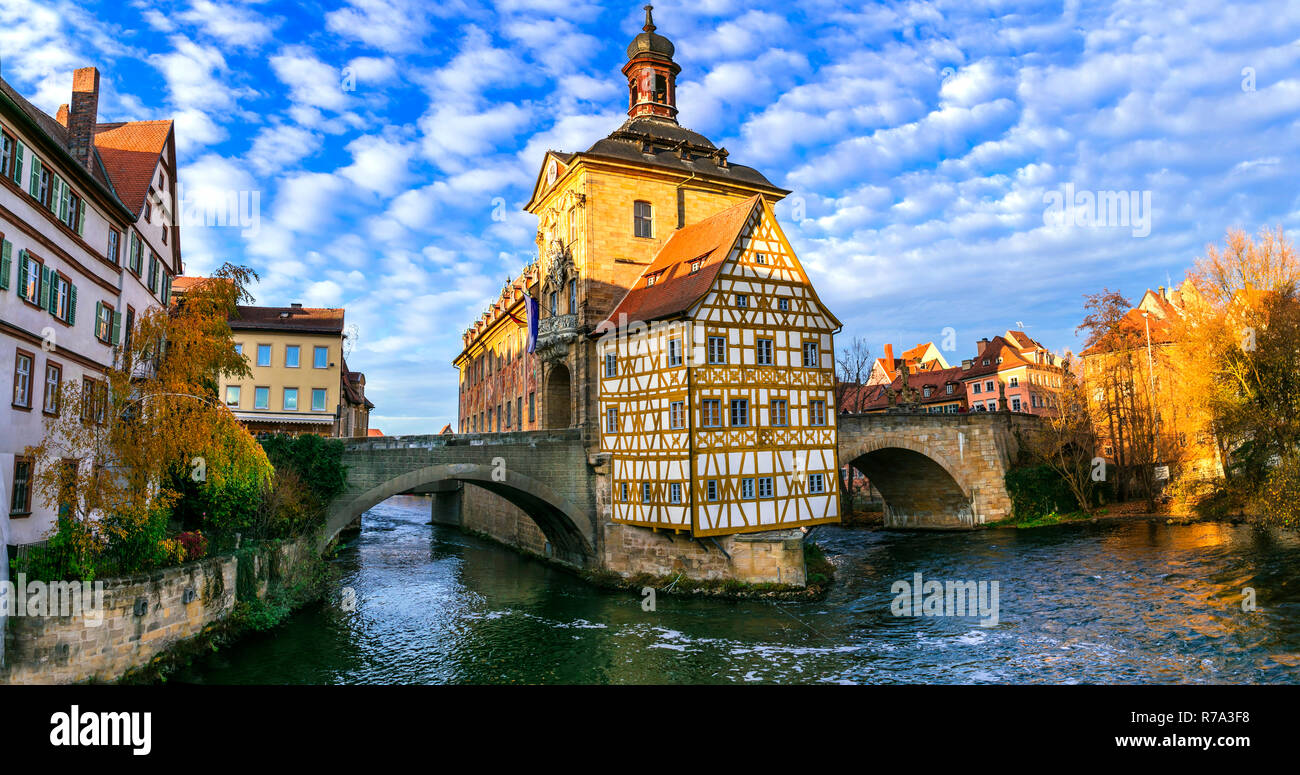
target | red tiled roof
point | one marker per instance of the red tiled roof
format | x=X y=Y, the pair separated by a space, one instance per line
x=310 y=319
x=130 y=151
x=374 y=432
x=184 y=283
x=862 y=398
x=676 y=287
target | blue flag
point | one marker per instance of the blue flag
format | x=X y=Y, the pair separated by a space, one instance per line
x=531 y=305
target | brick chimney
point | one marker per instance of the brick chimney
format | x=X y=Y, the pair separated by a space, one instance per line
x=84 y=114
x=62 y=115
x=981 y=345
x=889 y=355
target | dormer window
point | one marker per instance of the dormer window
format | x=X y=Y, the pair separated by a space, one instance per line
x=650 y=279
x=696 y=265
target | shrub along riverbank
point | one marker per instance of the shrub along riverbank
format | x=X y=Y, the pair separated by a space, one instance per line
x=251 y=493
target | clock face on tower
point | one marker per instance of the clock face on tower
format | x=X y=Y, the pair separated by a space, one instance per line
x=552 y=169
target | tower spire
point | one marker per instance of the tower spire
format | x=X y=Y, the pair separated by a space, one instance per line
x=651 y=73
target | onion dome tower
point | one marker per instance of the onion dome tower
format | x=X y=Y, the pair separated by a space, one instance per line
x=651 y=74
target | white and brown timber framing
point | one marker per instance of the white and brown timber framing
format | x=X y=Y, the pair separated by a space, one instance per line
x=689 y=294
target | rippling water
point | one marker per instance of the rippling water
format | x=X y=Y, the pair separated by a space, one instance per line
x=1107 y=603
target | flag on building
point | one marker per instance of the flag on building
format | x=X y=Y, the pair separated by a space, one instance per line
x=531 y=304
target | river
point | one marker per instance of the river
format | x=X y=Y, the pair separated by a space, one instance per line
x=1114 y=602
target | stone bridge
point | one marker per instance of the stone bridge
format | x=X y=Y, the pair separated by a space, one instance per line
x=545 y=473
x=937 y=471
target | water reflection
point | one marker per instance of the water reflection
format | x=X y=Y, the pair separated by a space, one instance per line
x=1107 y=603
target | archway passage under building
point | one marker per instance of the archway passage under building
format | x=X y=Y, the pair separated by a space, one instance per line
x=558 y=397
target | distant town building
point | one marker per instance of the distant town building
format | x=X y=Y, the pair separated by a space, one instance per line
x=89 y=240
x=1147 y=339
x=1012 y=372
x=922 y=357
x=931 y=390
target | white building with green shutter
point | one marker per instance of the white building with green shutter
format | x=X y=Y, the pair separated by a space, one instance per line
x=89 y=240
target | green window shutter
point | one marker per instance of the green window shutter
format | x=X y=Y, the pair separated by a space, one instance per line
x=72 y=304
x=17 y=171
x=6 y=258
x=167 y=289
x=36 y=176
x=56 y=194
x=117 y=327
x=81 y=220
x=99 y=315
x=22 y=273
x=65 y=200
x=44 y=292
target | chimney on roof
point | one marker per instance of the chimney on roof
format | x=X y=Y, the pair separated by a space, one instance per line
x=62 y=115
x=296 y=305
x=84 y=113
x=889 y=355
x=981 y=345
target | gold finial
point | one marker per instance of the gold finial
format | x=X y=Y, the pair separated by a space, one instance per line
x=649 y=21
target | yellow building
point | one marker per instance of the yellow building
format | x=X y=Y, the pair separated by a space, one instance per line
x=717 y=384
x=300 y=381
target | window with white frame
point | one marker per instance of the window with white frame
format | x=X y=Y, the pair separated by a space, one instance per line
x=677 y=414
x=810 y=360
x=717 y=349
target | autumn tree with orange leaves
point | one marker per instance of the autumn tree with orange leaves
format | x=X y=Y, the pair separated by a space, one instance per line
x=109 y=455
x=1241 y=359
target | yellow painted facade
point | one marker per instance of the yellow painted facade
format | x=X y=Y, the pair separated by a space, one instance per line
x=278 y=379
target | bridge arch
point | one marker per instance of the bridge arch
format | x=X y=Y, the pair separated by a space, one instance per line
x=921 y=487
x=559 y=519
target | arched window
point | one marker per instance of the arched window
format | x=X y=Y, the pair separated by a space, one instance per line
x=642 y=219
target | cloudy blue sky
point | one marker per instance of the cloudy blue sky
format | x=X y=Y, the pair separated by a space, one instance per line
x=922 y=141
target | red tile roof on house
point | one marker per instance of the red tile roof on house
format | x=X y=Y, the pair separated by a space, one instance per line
x=373 y=432
x=676 y=288
x=306 y=319
x=131 y=151
x=863 y=398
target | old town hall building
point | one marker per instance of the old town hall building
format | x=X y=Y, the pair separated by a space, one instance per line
x=674 y=325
